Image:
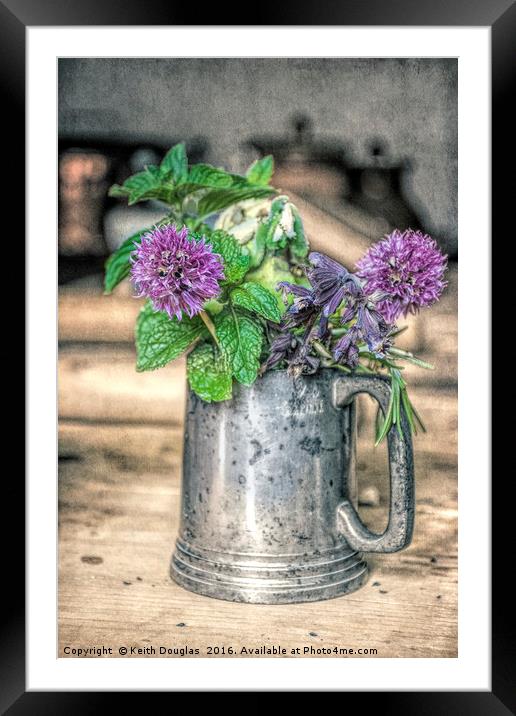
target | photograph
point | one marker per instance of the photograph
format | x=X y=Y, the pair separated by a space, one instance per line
x=261 y=355
x=258 y=270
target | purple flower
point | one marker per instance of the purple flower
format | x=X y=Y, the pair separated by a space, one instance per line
x=346 y=349
x=303 y=297
x=331 y=282
x=176 y=272
x=281 y=348
x=302 y=308
x=294 y=351
x=406 y=269
x=302 y=363
x=372 y=327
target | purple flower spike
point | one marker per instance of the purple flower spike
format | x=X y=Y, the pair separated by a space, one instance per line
x=372 y=326
x=303 y=297
x=281 y=348
x=405 y=267
x=178 y=273
x=346 y=350
x=331 y=282
x=302 y=308
x=291 y=349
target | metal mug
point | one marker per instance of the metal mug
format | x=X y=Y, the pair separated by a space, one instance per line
x=267 y=512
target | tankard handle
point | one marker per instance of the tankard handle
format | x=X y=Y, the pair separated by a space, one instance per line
x=401 y=468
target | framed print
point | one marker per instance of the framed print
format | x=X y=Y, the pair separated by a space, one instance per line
x=258 y=355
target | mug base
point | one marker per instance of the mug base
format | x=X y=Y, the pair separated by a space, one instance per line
x=262 y=579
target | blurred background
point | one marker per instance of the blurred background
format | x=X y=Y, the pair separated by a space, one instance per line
x=372 y=142
x=361 y=145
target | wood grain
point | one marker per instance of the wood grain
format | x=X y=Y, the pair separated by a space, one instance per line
x=100 y=385
x=117 y=529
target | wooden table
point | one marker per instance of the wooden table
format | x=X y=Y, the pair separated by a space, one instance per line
x=119 y=485
x=117 y=527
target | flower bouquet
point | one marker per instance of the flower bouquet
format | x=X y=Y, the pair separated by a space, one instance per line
x=229 y=279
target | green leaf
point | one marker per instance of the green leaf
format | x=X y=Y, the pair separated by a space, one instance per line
x=175 y=163
x=212 y=307
x=160 y=339
x=408 y=411
x=118 y=264
x=206 y=176
x=397 y=408
x=148 y=184
x=172 y=182
x=209 y=373
x=203 y=178
x=236 y=261
x=196 y=226
x=284 y=227
x=258 y=299
x=387 y=420
x=298 y=244
x=256 y=246
x=405 y=355
x=275 y=236
x=271 y=271
x=220 y=199
x=261 y=171
x=240 y=340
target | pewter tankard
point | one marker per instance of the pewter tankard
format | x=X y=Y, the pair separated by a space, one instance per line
x=268 y=492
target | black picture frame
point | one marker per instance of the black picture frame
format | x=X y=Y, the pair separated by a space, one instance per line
x=500 y=16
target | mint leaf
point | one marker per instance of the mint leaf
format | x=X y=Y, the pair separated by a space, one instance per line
x=172 y=182
x=257 y=299
x=160 y=339
x=261 y=171
x=220 y=199
x=236 y=261
x=240 y=340
x=118 y=264
x=206 y=176
x=175 y=163
x=148 y=184
x=209 y=374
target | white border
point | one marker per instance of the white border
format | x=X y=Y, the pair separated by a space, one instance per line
x=471 y=670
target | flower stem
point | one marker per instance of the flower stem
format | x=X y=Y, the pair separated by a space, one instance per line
x=322 y=350
x=209 y=325
x=410 y=358
x=343 y=368
x=364 y=369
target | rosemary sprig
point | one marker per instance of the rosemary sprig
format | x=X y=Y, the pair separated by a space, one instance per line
x=410 y=358
x=387 y=421
x=399 y=402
